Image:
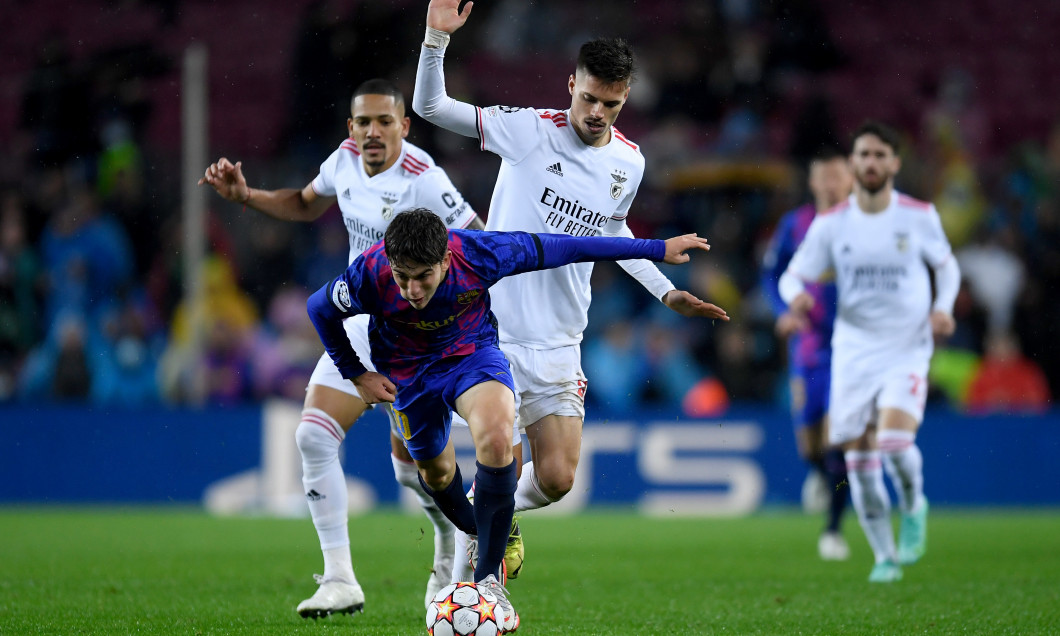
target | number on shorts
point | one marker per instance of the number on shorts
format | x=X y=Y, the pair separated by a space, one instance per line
x=403 y=424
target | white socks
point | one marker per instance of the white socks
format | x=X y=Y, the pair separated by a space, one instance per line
x=319 y=437
x=528 y=495
x=905 y=466
x=406 y=474
x=871 y=501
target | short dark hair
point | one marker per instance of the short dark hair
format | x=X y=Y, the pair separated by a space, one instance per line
x=886 y=134
x=609 y=60
x=379 y=86
x=827 y=153
x=416 y=237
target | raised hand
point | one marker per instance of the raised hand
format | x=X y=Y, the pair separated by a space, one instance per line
x=375 y=387
x=686 y=304
x=678 y=245
x=445 y=15
x=227 y=179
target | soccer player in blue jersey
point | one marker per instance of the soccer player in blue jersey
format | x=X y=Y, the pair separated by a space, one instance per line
x=434 y=344
x=810 y=347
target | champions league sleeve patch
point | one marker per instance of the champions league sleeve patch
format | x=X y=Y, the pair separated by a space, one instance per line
x=340 y=296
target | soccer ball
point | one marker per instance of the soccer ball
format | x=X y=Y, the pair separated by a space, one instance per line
x=464 y=609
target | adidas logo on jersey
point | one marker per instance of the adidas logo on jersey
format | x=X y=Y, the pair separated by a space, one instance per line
x=555 y=169
x=313 y=495
x=346 y=194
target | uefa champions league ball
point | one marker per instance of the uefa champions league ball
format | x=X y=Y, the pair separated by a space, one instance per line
x=464 y=609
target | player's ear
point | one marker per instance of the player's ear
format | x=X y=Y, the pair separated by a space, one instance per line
x=897 y=163
x=405 y=127
x=448 y=258
x=349 y=126
x=570 y=85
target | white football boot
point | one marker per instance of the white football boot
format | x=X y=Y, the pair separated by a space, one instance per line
x=509 y=619
x=334 y=596
x=833 y=547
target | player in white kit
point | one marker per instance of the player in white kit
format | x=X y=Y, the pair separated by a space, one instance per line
x=879 y=245
x=562 y=171
x=372 y=175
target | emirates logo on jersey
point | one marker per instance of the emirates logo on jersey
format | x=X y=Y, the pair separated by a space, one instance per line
x=619 y=185
x=389 y=199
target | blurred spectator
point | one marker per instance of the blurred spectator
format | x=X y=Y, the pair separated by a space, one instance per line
x=1007 y=381
x=86 y=257
x=229 y=319
x=56 y=108
x=287 y=348
x=127 y=368
x=58 y=370
x=616 y=366
x=20 y=282
x=995 y=276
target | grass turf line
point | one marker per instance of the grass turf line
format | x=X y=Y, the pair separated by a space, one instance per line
x=167 y=571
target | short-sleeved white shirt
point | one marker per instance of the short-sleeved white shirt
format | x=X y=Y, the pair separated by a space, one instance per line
x=551 y=181
x=368 y=203
x=881 y=265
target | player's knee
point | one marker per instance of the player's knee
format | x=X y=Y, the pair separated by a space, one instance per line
x=439 y=475
x=556 y=479
x=493 y=444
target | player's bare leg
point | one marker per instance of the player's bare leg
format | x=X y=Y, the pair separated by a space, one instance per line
x=444 y=532
x=905 y=466
x=328 y=413
x=555 y=448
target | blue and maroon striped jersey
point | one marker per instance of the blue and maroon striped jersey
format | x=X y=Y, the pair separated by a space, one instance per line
x=457 y=320
x=812 y=348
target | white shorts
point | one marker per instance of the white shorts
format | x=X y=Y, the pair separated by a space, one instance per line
x=327 y=374
x=856 y=400
x=547 y=382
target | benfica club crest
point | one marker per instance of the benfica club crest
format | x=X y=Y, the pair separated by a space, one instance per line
x=901 y=241
x=619 y=185
x=388 y=207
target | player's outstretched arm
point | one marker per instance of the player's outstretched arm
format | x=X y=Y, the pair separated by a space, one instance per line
x=287 y=204
x=446 y=15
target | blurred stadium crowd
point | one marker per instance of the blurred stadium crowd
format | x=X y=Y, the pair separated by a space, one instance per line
x=732 y=98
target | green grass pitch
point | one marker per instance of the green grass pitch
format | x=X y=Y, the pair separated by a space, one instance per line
x=177 y=571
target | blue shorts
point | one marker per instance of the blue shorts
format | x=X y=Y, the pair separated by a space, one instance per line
x=809 y=395
x=423 y=408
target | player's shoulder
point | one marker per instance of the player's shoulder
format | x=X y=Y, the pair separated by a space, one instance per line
x=348 y=147
x=625 y=142
x=415 y=161
x=836 y=211
x=913 y=203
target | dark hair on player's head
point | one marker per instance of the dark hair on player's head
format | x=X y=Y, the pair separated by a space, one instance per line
x=379 y=86
x=609 y=60
x=416 y=237
x=827 y=153
x=885 y=133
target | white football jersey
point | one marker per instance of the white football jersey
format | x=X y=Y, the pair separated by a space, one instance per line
x=881 y=265
x=369 y=203
x=550 y=181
